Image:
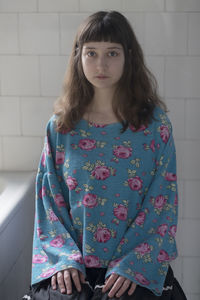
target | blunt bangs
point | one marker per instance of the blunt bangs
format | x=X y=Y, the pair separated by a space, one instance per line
x=102 y=30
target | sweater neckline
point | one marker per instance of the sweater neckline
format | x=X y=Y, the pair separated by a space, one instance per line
x=100 y=125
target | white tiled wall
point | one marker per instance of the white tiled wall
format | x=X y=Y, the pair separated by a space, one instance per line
x=35 y=42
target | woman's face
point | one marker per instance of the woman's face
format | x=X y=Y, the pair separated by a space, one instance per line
x=103 y=63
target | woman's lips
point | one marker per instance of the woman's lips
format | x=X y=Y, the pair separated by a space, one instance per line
x=101 y=77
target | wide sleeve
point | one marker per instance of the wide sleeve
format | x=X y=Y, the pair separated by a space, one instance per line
x=149 y=245
x=54 y=241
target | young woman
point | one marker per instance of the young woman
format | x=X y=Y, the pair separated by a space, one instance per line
x=106 y=187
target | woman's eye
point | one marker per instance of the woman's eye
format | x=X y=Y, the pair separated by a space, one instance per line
x=113 y=53
x=91 y=53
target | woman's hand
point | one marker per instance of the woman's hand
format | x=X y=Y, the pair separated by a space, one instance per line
x=119 y=285
x=64 y=280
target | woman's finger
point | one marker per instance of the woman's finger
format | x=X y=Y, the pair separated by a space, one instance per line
x=123 y=288
x=75 y=277
x=109 y=282
x=53 y=282
x=82 y=277
x=116 y=286
x=132 y=289
x=61 y=282
x=68 y=283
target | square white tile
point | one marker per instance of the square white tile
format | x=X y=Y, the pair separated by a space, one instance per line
x=194 y=33
x=35 y=114
x=9 y=34
x=96 y=5
x=183 y=5
x=21 y=153
x=52 y=71
x=192 y=120
x=19 y=75
x=182 y=77
x=18 y=6
x=10 y=110
x=192 y=199
x=143 y=5
x=39 y=33
x=191 y=275
x=58 y=5
x=165 y=34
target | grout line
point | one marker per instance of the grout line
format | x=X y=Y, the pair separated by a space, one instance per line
x=165 y=6
x=18 y=35
x=1 y=151
x=187 y=34
x=164 y=76
x=3 y=157
x=184 y=129
x=21 y=117
x=59 y=34
x=37 y=5
x=40 y=78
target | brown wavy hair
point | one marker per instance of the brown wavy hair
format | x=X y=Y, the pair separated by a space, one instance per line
x=136 y=94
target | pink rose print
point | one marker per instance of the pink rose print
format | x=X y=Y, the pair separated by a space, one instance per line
x=143 y=248
x=70 y=214
x=60 y=157
x=92 y=261
x=39 y=231
x=164 y=133
x=60 y=200
x=122 y=241
x=170 y=176
x=102 y=235
x=52 y=216
x=135 y=183
x=162 y=229
x=160 y=202
x=87 y=144
x=42 y=192
x=113 y=263
x=39 y=259
x=71 y=182
x=48 y=148
x=152 y=145
x=58 y=242
x=77 y=257
x=64 y=131
x=90 y=200
x=122 y=152
x=43 y=162
x=140 y=218
x=142 y=128
x=98 y=125
x=172 y=230
x=163 y=256
x=121 y=212
x=48 y=273
x=176 y=200
x=101 y=172
x=140 y=278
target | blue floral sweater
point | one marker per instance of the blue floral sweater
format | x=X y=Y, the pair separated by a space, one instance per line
x=107 y=199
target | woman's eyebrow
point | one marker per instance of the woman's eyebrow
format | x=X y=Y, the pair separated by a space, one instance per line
x=87 y=47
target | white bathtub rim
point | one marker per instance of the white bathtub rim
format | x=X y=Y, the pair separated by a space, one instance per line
x=14 y=190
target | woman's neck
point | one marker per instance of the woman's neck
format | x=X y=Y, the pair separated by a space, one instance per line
x=102 y=101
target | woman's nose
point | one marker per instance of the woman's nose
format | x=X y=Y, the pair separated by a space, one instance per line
x=102 y=62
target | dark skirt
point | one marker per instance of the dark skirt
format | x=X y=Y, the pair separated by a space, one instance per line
x=92 y=289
